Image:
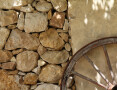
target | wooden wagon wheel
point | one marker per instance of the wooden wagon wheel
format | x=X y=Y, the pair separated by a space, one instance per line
x=82 y=53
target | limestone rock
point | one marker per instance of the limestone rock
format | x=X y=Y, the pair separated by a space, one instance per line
x=55 y=57
x=64 y=36
x=67 y=47
x=5 y=56
x=9 y=65
x=35 y=22
x=43 y=6
x=26 y=61
x=66 y=25
x=4 y=33
x=37 y=70
x=41 y=50
x=17 y=51
x=20 y=23
x=8 y=17
x=50 y=74
x=14 y=72
x=41 y=63
x=20 y=39
x=30 y=78
x=51 y=39
x=59 y=5
x=58 y=20
x=27 y=8
x=49 y=14
x=48 y=87
x=13 y=4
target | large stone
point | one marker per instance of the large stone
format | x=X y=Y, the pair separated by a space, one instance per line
x=35 y=22
x=50 y=74
x=55 y=57
x=59 y=5
x=8 y=17
x=27 y=60
x=5 y=56
x=13 y=4
x=43 y=6
x=7 y=82
x=4 y=33
x=20 y=39
x=51 y=39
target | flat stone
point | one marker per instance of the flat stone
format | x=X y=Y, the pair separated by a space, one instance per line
x=51 y=39
x=8 y=17
x=30 y=78
x=20 y=23
x=14 y=72
x=27 y=8
x=41 y=50
x=55 y=57
x=64 y=36
x=66 y=25
x=59 y=5
x=7 y=82
x=5 y=56
x=50 y=74
x=13 y=4
x=20 y=39
x=67 y=47
x=4 y=33
x=21 y=73
x=35 y=22
x=43 y=6
x=9 y=65
x=58 y=20
x=26 y=61
x=49 y=14
x=17 y=51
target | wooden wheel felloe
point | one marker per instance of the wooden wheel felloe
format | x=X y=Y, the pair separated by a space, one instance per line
x=83 y=53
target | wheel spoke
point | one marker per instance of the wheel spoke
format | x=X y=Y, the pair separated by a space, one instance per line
x=108 y=62
x=88 y=79
x=97 y=69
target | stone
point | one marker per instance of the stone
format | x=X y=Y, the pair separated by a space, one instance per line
x=19 y=39
x=67 y=47
x=51 y=74
x=43 y=6
x=27 y=8
x=51 y=39
x=25 y=87
x=26 y=61
x=35 y=35
x=17 y=51
x=11 y=26
x=41 y=63
x=62 y=31
x=59 y=5
x=14 y=4
x=20 y=23
x=4 y=33
x=35 y=22
x=7 y=82
x=41 y=50
x=33 y=87
x=64 y=36
x=5 y=55
x=57 y=20
x=30 y=78
x=48 y=87
x=21 y=73
x=66 y=25
x=49 y=14
x=37 y=70
x=9 y=65
x=8 y=17
x=14 y=72
x=55 y=57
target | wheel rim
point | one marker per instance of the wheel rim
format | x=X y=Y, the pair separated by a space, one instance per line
x=82 y=52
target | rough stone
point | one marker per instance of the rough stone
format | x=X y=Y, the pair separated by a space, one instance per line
x=13 y=59
x=9 y=65
x=64 y=36
x=66 y=25
x=58 y=20
x=35 y=22
x=11 y=26
x=20 y=23
x=17 y=51
x=59 y=5
x=27 y=8
x=35 y=35
x=25 y=87
x=8 y=17
x=27 y=60
x=37 y=70
x=15 y=72
x=51 y=39
x=50 y=74
x=5 y=56
x=41 y=50
x=33 y=87
x=41 y=63
x=43 y=6
x=49 y=14
x=21 y=73
x=67 y=47
x=13 y=4
x=30 y=78
x=55 y=57
x=20 y=39
x=4 y=33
